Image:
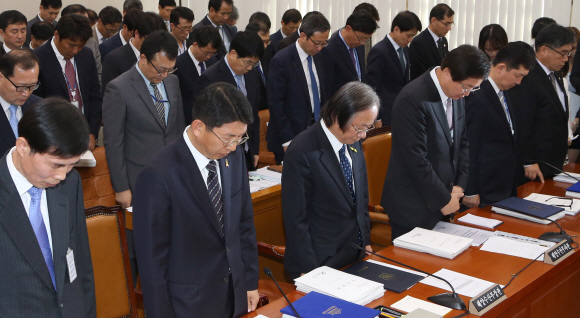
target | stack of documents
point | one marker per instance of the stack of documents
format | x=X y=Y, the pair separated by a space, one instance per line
x=410 y=304
x=571 y=206
x=480 y=221
x=332 y=282
x=264 y=178
x=464 y=284
x=564 y=178
x=479 y=236
x=517 y=245
x=528 y=210
x=432 y=242
x=87 y=160
x=319 y=305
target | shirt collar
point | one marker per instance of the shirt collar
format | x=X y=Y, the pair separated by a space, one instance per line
x=6 y=49
x=303 y=55
x=395 y=45
x=22 y=185
x=56 y=52
x=435 y=36
x=444 y=97
x=30 y=45
x=39 y=18
x=147 y=82
x=200 y=159
x=207 y=16
x=4 y=103
x=343 y=41
x=548 y=72
x=494 y=85
x=334 y=142
x=228 y=64
x=123 y=42
x=100 y=37
x=137 y=53
x=283 y=35
x=195 y=61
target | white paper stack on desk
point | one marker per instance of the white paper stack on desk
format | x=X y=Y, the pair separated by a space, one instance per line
x=564 y=178
x=332 y=282
x=432 y=242
x=87 y=160
x=263 y=178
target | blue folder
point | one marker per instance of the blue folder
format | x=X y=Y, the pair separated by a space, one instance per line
x=314 y=305
x=527 y=207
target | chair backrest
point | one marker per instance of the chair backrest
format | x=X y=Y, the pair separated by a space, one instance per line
x=113 y=281
x=97 y=187
x=264 y=119
x=377 y=149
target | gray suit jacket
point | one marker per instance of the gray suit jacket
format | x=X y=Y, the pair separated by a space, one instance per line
x=26 y=289
x=131 y=127
x=93 y=44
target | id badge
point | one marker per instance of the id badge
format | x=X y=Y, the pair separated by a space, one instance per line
x=75 y=103
x=70 y=261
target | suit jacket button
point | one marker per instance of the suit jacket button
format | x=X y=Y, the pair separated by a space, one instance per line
x=226 y=279
x=451 y=184
x=61 y=305
x=227 y=249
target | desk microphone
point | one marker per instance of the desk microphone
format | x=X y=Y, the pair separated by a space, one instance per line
x=451 y=300
x=530 y=162
x=268 y=272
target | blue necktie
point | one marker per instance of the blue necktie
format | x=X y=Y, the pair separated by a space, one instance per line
x=202 y=67
x=39 y=228
x=262 y=74
x=13 y=120
x=314 y=85
x=347 y=171
x=241 y=84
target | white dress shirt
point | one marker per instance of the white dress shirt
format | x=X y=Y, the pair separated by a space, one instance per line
x=336 y=146
x=396 y=46
x=137 y=53
x=497 y=90
x=6 y=108
x=444 y=97
x=281 y=32
x=559 y=89
x=196 y=62
x=201 y=160
x=123 y=42
x=100 y=37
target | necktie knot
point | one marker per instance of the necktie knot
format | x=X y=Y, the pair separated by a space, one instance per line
x=342 y=150
x=13 y=109
x=35 y=193
x=211 y=166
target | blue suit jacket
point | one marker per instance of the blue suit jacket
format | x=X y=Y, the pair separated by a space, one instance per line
x=230 y=32
x=7 y=138
x=188 y=77
x=339 y=68
x=109 y=45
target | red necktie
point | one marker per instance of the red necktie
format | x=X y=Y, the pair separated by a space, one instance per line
x=73 y=89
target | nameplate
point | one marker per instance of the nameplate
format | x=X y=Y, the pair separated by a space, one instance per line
x=558 y=253
x=485 y=301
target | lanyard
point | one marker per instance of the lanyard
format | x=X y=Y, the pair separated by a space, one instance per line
x=159 y=101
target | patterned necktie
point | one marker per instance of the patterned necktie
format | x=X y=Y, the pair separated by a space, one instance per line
x=241 y=85
x=215 y=191
x=262 y=74
x=506 y=109
x=402 y=59
x=159 y=104
x=353 y=58
x=202 y=67
x=347 y=172
x=449 y=113
x=37 y=222
x=314 y=86
x=73 y=92
x=13 y=120
x=440 y=48
x=553 y=80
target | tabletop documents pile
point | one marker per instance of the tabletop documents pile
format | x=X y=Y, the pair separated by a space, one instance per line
x=433 y=242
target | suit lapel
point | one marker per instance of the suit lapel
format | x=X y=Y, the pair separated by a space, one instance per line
x=437 y=106
x=357 y=157
x=408 y=69
x=83 y=80
x=6 y=130
x=226 y=74
x=141 y=87
x=496 y=104
x=297 y=64
x=344 y=52
x=226 y=184
x=432 y=46
x=130 y=55
x=58 y=214
x=172 y=97
x=395 y=57
x=545 y=80
x=53 y=66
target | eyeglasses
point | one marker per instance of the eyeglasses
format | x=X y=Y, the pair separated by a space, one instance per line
x=185 y=30
x=207 y=54
x=447 y=24
x=231 y=142
x=359 y=39
x=160 y=73
x=249 y=63
x=319 y=44
x=111 y=31
x=563 y=54
x=470 y=90
x=22 y=89
x=360 y=131
x=569 y=206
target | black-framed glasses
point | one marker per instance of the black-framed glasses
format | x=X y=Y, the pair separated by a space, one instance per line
x=563 y=54
x=470 y=90
x=111 y=31
x=447 y=24
x=186 y=30
x=23 y=88
x=231 y=142
x=360 y=131
x=207 y=54
x=569 y=206
x=249 y=63
x=160 y=73
x=319 y=44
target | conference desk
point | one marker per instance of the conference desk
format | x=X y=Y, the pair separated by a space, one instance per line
x=541 y=290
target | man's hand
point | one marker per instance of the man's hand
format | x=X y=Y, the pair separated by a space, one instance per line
x=253 y=298
x=124 y=198
x=533 y=172
x=368 y=249
x=378 y=124
x=457 y=189
x=453 y=204
x=472 y=201
x=92 y=142
x=256 y=160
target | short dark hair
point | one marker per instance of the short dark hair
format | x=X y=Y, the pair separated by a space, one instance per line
x=292 y=15
x=22 y=58
x=515 y=55
x=207 y=35
x=314 y=23
x=11 y=17
x=75 y=27
x=132 y=4
x=55 y=4
x=406 y=20
x=466 y=61
x=160 y=41
x=56 y=127
x=42 y=30
x=93 y=16
x=370 y=8
x=440 y=11
x=248 y=44
x=235 y=15
x=352 y=98
x=149 y=22
x=362 y=21
x=495 y=35
x=257 y=26
x=110 y=15
x=167 y=3
x=217 y=4
x=73 y=8
x=181 y=12
x=539 y=24
x=261 y=16
x=222 y=103
x=131 y=17
x=554 y=36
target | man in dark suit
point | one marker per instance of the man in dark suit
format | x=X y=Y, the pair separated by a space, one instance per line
x=123 y=36
x=540 y=107
x=107 y=25
x=296 y=85
x=263 y=31
x=40 y=32
x=181 y=26
x=389 y=64
x=430 y=154
x=46 y=258
x=238 y=68
x=290 y=23
x=491 y=125
x=344 y=55
x=19 y=77
x=165 y=7
x=48 y=11
x=219 y=12
x=324 y=185
x=194 y=221
x=190 y=66
x=68 y=70
x=12 y=31
x=430 y=47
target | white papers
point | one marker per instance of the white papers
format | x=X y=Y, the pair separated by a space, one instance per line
x=479 y=236
x=522 y=216
x=332 y=282
x=571 y=206
x=564 y=178
x=464 y=284
x=517 y=245
x=409 y=304
x=261 y=316
x=130 y=209
x=398 y=268
x=263 y=179
x=480 y=221
x=432 y=242
x=87 y=160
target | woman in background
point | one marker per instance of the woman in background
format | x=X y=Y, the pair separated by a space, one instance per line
x=492 y=38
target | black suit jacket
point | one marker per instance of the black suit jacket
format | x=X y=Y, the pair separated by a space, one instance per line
x=7 y=138
x=288 y=98
x=386 y=75
x=230 y=32
x=29 y=28
x=425 y=161
x=120 y=61
x=292 y=38
x=542 y=130
x=53 y=83
x=424 y=54
x=492 y=147
x=26 y=289
x=110 y=44
x=185 y=259
x=320 y=219
x=188 y=77
x=338 y=67
x=220 y=72
x=275 y=39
